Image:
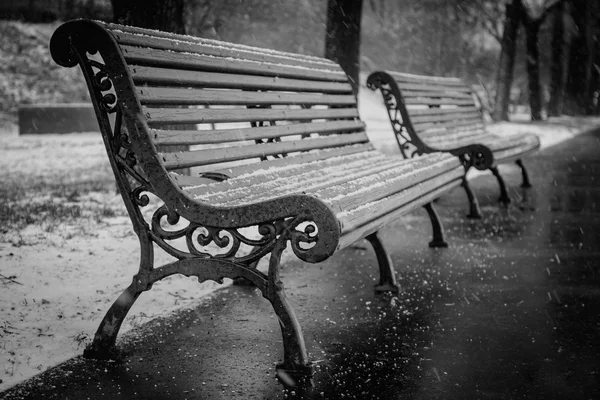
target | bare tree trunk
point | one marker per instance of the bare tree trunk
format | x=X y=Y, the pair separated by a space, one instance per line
x=514 y=15
x=560 y=60
x=594 y=104
x=164 y=15
x=577 y=90
x=532 y=28
x=342 y=39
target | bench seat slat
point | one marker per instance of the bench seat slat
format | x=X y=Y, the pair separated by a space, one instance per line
x=356 y=229
x=185 y=78
x=442 y=111
x=192 y=137
x=446 y=136
x=390 y=182
x=312 y=176
x=414 y=197
x=163 y=58
x=308 y=156
x=209 y=156
x=168 y=116
x=448 y=125
x=370 y=176
x=439 y=80
x=188 y=45
x=438 y=89
x=437 y=101
x=381 y=183
x=496 y=143
x=444 y=117
x=186 y=96
x=438 y=95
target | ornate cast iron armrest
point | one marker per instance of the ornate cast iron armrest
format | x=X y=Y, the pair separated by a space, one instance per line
x=316 y=241
x=474 y=155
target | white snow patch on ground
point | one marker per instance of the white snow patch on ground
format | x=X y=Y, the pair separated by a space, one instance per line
x=68 y=275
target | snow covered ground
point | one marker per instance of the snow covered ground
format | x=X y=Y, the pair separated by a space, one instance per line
x=58 y=279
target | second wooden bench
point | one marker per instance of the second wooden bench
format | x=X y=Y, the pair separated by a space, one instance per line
x=431 y=114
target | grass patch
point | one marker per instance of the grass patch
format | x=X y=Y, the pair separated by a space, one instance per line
x=31 y=202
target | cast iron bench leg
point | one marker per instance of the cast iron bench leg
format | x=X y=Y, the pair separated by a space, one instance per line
x=436 y=225
x=295 y=366
x=474 y=211
x=103 y=345
x=387 y=276
x=503 y=192
x=526 y=183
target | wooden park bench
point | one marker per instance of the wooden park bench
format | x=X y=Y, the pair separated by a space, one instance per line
x=276 y=150
x=431 y=114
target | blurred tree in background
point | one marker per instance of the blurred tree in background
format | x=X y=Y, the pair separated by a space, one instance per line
x=164 y=15
x=552 y=63
x=342 y=36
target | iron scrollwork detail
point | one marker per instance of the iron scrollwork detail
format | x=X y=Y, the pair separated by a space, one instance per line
x=199 y=237
x=102 y=83
x=103 y=88
x=405 y=143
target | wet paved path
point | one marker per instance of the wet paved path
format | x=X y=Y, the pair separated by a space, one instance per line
x=509 y=311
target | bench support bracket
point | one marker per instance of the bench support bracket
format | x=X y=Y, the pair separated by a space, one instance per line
x=436 y=225
x=387 y=276
x=525 y=183
x=474 y=210
x=504 y=198
x=295 y=365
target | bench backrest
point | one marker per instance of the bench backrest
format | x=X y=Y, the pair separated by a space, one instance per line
x=224 y=102
x=427 y=110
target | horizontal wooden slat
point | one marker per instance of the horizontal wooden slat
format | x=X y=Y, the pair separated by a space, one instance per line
x=183 y=96
x=210 y=156
x=436 y=94
x=116 y=29
x=446 y=117
x=515 y=152
x=498 y=143
x=349 y=198
x=393 y=208
x=448 y=124
x=300 y=158
x=441 y=111
x=308 y=177
x=436 y=101
x=186 y=78
x=187 y=137
x=425 y=87
x=464 y=136
x=162 y=58
x=442 y=80
x=389 y=204
x=186 y=44
x=157 y=116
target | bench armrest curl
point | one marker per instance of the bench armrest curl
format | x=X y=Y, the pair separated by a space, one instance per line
x=320 y=233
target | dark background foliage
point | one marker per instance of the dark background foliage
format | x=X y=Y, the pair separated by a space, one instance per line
x=462 y=38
